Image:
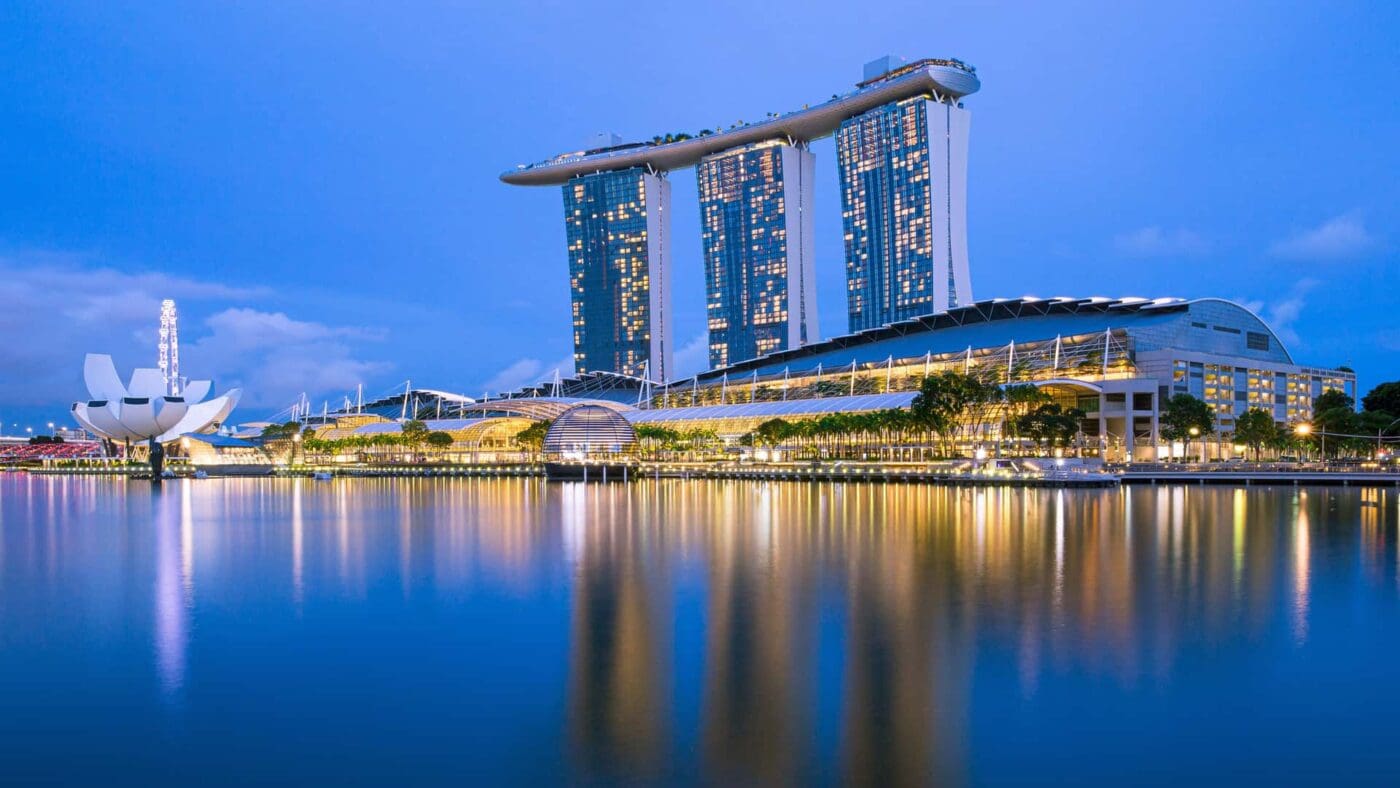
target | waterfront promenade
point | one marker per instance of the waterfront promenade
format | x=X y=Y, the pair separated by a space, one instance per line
x=942 y=473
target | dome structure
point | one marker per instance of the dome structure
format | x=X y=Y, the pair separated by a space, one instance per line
x=144 y=409
x=590 y=429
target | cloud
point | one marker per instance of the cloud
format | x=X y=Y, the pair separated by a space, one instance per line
x=274 y=358
x=525 y=372
x=1283 y=314
x=693 y=357
x=1340 y=238
x=58 y=307
x=1156 y=242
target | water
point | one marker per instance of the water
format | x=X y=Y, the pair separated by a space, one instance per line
x=513 y=631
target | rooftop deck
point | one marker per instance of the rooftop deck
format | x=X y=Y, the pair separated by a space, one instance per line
x=945 y=79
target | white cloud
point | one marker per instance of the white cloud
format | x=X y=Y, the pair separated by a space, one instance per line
x=1156 y=242
x=693 y=357
x=524 y=372
x=56 y=308
x=275 y=358
x=1283 y=314
x=1335 y=239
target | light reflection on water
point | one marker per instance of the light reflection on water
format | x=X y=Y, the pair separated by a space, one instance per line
x=684 y=631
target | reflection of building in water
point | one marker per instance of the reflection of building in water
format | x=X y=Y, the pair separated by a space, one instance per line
x=759 y=639
x=619 y=682
x=174 y=582
x=909 y=646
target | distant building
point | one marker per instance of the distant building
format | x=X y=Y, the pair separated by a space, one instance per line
x=617 y=224
x=757 y=237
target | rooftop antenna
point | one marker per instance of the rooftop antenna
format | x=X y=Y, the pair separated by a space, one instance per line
x=168 y=348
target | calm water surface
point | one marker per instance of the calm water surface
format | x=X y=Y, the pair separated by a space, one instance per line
x=229 y=631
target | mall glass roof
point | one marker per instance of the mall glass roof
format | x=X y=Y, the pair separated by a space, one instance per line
x=764 y=410
x=996 y=323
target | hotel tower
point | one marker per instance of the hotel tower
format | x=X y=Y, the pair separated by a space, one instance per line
x=617 y=224
x=901 y=139
x=756 y=233
x=904 y=208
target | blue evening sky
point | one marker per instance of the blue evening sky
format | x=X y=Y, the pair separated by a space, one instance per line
x=316 y=183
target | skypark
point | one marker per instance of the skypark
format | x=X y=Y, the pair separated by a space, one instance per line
x=945 y=80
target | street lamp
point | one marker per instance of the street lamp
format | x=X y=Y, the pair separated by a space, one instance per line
x=1193 y=432
x=1304 y=430
x=51 y=428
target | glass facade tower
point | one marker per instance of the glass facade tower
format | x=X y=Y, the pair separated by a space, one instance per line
x=757 y=238
x=903 y=169
x=617 y=225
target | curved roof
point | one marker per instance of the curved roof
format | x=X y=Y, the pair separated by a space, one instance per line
x=938 y=77
x=589 y=428
x=540 y=407
x=462 y=430
x=1154 y=323
x=765 y=410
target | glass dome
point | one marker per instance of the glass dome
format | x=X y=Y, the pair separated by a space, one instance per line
x=589 y=429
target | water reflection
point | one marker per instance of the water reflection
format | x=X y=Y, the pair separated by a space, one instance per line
x=740 y=632
x=174 y=584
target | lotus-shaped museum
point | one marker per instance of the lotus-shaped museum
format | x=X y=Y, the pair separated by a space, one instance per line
x=145 y=409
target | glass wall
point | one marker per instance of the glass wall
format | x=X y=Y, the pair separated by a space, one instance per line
x=613 y=258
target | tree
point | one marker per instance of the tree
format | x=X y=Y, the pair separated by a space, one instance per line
x=1183 y=412
x=653 y=438
x=415 y=432
x=439 y=440
x=1332 y=399
x=1384 y=398
x=532 y=437
x=1050 y=425
x=1255 y=428
x=1334 y=412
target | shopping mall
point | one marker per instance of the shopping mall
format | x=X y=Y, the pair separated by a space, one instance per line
x=1115 y=360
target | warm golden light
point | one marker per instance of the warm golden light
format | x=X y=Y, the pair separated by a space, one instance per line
x=1303 y=429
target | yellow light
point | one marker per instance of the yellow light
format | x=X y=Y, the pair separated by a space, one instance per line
x=1303 y=429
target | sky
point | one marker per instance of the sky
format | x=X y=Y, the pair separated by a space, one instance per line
x=316 y=183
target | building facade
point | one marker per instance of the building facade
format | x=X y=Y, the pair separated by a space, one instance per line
x=618 y=229
x=757 y=239
x=904 y=156
x=903 y=169
x=1117 y=361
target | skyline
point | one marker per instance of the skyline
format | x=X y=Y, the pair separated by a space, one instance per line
x=314 y=240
